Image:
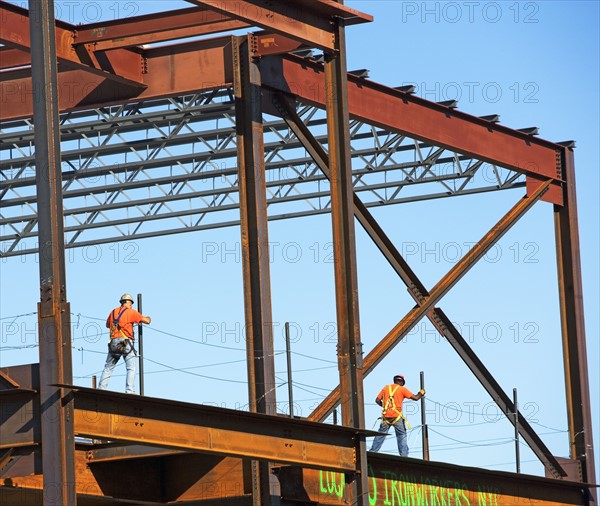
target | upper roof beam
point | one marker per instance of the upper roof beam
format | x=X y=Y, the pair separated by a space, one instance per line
x=124 y=67
x=309 y=22
x=152 y=28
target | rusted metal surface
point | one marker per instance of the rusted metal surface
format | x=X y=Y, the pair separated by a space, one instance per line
x=398 y=481
x=122 y=67
x=188 y=476
x=10 y=58
x=573 y=329
x=179 y=425
x=56 y=408
x=255 y=252
x=152 y=28
x=349 y=348
x=18 y=409
x=266 y=43
x=308 y=22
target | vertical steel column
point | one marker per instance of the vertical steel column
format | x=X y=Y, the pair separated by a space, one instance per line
x=573 y=328
x=56 y=406
x=346 y=282
x=255 y=252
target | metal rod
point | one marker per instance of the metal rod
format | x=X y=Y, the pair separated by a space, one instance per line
x=517 y=443
x=141 y=345
x=56 y=408
x=288 y=352
x=424 y=431
x=94 y=381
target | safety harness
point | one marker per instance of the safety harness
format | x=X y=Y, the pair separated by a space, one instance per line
x=127 y=341
x=116 y=326
x=390 y=405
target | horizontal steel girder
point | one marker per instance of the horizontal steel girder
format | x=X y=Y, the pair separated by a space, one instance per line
x=307 y=21
x=121 y=67
x=398 y=480
x=171 y=424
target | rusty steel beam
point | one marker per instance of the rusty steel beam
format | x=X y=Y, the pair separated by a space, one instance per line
x=308 y=22
x=418 y=291
x=184 y=426
x=349 y=348
x=404 y=326
x=54 y=315
x=122 y=67
x=255 y=252
x=399 y=480
x=152 y=28
x=10 y=58
x=581 y=445
x=171 y=71
x=421 y=119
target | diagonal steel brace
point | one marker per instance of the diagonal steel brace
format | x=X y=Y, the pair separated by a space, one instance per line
x=424 y=299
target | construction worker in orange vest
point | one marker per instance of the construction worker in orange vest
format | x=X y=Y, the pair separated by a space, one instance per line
x=120 y=321
x=390 y=399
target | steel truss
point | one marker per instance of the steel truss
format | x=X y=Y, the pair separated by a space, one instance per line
x=171 y=165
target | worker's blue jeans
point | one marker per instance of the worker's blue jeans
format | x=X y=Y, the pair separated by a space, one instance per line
x=111 y=361
x=400 y=429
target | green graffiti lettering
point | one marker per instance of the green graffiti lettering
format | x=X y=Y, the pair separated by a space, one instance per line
x=396 y=492
x=386 y=501
x=321 y=486
x=373 y=491
x=340 y=490
x=421 y=497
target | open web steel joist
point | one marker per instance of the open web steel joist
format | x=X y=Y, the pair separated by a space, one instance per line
x=161 y=139
x=168 y=166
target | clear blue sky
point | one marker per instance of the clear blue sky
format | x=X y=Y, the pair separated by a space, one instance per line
x=535 y=64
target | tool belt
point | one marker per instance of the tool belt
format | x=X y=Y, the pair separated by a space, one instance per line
x=123 y=347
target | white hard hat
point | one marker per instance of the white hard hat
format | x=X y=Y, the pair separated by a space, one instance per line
x=126 y=296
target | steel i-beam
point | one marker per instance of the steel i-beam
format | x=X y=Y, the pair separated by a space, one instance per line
x=344 y=248
x=255 y=253
x=53 y=310
x=573 y=328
